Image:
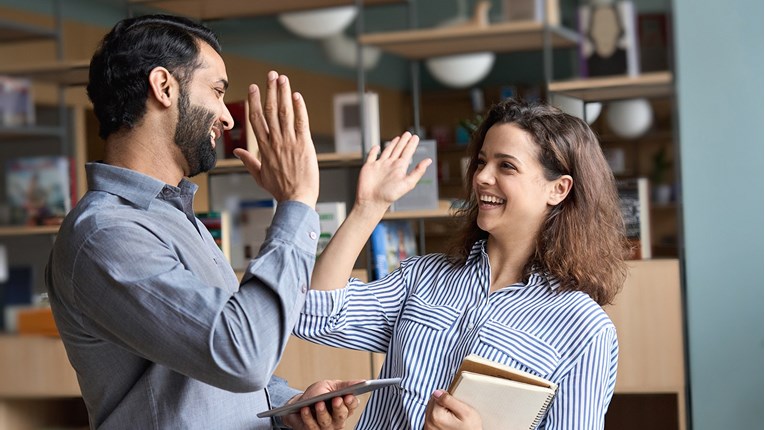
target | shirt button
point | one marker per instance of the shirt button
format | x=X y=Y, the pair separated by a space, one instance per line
x=312 y=235
x=471 y=326
x=303 y=288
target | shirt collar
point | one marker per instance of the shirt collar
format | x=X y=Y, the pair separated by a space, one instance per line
x=539 y=277
x=135 y=187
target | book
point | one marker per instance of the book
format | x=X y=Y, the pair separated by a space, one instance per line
x=634 y=198
x=391 y=242
x=219 y=226
x=424 y=196
x=38 y=189
x=240 y=135
x=331 y=215
x=254 y=219
x=348 y=124
x=506 y=398
x=609 y=44
x=16 y=102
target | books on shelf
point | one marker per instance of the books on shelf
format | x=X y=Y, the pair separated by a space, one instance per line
x=390 y=243
x=506 y=398
x=424 y=196
x=348 y=124
x=38 y=189
x=219 y=226
x=240 y=135
x=331 y=215
x=609 y=43
x=634 y=197
x=253 y=221
x=16 y=102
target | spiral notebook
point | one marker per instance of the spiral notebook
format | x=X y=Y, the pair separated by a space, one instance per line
x=506 y=398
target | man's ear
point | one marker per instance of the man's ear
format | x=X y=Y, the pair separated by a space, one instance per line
x=559 y=189
x=162 y=86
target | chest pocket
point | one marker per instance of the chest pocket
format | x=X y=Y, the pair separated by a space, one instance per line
x=437 y=317
x=524 y=348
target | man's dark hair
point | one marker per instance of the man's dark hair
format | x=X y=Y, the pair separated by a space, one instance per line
x=119 y=70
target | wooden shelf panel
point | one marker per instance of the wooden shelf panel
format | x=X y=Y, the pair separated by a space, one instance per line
x=332 y=159
x=650 y=330
x=30 y=132
x=63 y=73
x=501 y=37
x=11 y=32
x=215 y=9
x=22 y=230
x=443 y=211
x=35 y=367
x=656 y=84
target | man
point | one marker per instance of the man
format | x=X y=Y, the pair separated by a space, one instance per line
x=154 y=321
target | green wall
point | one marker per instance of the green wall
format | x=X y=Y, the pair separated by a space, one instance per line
x=720 y=84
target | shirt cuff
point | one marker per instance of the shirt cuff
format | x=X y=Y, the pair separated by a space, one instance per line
x=296 y=222
x=324 y=303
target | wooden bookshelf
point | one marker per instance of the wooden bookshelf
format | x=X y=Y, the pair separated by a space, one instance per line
x=68 y=73
x=12 y=32
x=443 y=211
x=440 y=41
x=23 y=230
x=330 y=159
x=30 y=132
x=656 y=84
x=215 y=9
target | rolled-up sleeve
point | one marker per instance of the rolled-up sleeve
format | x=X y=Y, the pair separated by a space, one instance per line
x=360 y=316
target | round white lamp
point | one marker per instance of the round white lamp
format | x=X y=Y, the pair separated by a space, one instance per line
x=577 y=107
x=341 y=50
x=461 y=71
x=629 y=118
x=318 y=23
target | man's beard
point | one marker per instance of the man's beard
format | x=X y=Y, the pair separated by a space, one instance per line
x=192 y=135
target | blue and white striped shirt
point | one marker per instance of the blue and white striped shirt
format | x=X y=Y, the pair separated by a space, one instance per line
x=428 y=315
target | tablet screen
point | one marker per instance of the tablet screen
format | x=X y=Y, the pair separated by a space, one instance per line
x=355 y=389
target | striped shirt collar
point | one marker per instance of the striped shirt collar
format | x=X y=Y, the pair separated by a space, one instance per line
x=537 y=277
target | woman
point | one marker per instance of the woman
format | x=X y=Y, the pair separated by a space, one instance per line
x=541 y=247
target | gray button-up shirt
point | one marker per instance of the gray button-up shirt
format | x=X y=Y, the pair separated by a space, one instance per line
x=154 y=321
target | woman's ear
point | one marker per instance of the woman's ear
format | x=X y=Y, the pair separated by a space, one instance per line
x=559 y=189
x=161 y=86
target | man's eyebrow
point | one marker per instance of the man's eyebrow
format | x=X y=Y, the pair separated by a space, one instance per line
x=224 y=82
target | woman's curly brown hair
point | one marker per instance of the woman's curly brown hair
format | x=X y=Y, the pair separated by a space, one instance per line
x=582 y=241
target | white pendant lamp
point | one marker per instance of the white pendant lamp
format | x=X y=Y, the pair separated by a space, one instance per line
x=318 y=23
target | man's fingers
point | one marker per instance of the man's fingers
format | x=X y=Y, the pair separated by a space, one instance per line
x=272 y=102
x=257 y=120
x=302 y=127
x=250 y=161
x=284 y=108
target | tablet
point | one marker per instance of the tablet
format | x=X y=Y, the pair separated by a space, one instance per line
x=355 y=389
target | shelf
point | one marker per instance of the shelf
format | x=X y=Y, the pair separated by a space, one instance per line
x=656 y=84
x=444 y=211
x=501 y=37
x=30 y=132
x=215 y=9
x=35 y=367
x=23 y=230
x=70 y=73
x=332 y=159
x=11 y=32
